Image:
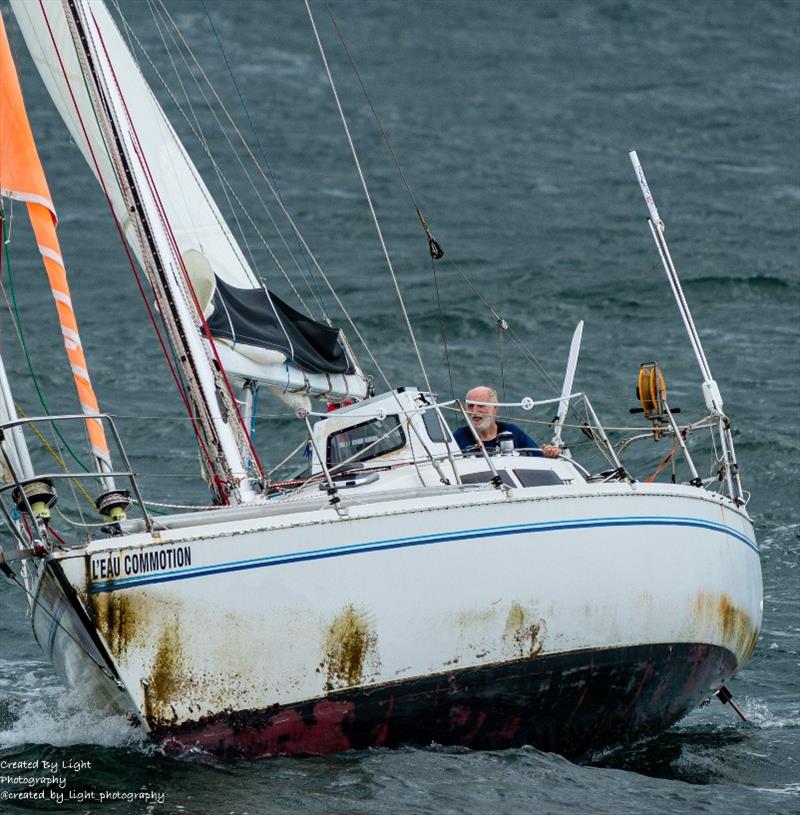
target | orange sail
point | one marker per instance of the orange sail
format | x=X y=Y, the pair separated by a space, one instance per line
x=22 y=178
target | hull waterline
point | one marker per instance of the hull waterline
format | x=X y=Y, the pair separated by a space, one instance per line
x=574 y=704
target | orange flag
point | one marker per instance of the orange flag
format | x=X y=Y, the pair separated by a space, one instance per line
x=22 y=178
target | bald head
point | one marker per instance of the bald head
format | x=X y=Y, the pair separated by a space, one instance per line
x=481 y=393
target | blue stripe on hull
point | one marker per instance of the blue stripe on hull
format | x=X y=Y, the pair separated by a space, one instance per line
x=418 y=540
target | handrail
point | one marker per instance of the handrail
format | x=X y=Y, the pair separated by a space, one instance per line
x=127 y=473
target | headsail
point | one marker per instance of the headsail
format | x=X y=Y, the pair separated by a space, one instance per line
x=178 y=235
x=22 y=178
x=206 y=249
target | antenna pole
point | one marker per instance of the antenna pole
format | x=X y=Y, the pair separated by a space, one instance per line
x=711 y=393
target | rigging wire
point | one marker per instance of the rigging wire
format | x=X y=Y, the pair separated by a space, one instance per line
x=501 y=327
x=435 y=249
x=222 y=484
x=315 y=290
x=197 y=126
x=177 y=378
x=433 y=245
x=368 y=197
x=443 y=329
x=286 y=214
x=220 y=174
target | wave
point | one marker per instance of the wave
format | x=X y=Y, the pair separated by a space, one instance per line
x=761 y=282
x=759 y=715
x=61 y=719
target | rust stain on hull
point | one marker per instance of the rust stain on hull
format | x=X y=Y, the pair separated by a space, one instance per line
x=738 y=631
x=350 y=646
x=116 y=618
x=165 y=680
x=524 y=635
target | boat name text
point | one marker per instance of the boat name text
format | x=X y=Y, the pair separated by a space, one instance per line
x=157 y=560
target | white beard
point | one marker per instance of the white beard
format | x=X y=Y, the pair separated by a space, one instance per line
x=482 y=423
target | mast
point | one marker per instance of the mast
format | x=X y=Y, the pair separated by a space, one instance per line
x=221 y=434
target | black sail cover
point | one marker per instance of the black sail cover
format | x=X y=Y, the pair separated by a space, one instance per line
x=257 y=317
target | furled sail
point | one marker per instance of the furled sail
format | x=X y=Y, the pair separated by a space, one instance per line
x=22 y=178
x=205 y=244
x=256 y=318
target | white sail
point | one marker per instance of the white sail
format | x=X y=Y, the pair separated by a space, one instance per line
x=195 y=220
x=206 y=246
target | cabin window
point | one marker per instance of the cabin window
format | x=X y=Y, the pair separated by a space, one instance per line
x=361 y=442
x=485 y=477
x=537 y=478
x=436 y=426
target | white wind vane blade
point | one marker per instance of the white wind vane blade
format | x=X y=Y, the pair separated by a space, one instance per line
x=569 y=377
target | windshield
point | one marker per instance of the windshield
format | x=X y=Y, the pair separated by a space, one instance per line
x=365 y=441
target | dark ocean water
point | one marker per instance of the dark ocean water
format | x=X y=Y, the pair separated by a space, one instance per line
x=513 y=121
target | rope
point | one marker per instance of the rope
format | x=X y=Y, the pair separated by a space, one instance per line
x=146 y=300
x=80 y=524
x=294 y=452
x=290 y=220
x=179 y=506
x=299 y=235
x=54 y=454
x=222 y=484
x=236 y=153
x=500 y=321
x=698 y=425
x=196 y=128
x=663 y=463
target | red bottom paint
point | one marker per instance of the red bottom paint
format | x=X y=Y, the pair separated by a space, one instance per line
x=575 y=704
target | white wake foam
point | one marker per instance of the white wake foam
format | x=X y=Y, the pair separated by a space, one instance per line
x=759 y=714
x=61 y=719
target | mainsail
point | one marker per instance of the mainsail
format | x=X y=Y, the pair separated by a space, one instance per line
x=206 y=247
x=22 y=178
x=176 y=231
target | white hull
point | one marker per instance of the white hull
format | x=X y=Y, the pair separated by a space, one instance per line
x=272 y=612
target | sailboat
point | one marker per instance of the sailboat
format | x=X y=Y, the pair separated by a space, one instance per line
x=399 y=591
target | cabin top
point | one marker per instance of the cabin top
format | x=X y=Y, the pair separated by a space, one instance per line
x=391 y=428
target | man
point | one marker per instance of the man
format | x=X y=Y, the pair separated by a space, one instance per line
x=487 y=427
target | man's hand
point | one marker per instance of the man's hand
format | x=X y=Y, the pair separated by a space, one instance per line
x=551 y=451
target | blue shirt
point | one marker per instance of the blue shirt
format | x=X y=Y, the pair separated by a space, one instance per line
x=465 y=439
